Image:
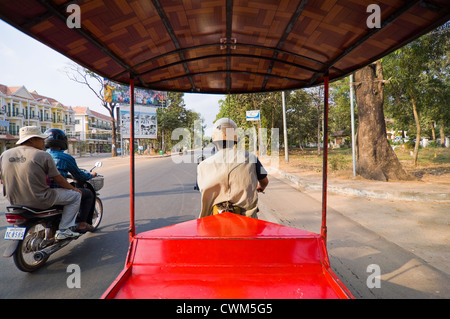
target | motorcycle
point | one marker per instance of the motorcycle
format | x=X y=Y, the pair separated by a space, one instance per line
x=32 y=237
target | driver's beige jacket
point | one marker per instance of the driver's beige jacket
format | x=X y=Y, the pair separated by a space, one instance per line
x=228 y=175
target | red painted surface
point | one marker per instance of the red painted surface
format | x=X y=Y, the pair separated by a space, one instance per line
x=227 y=256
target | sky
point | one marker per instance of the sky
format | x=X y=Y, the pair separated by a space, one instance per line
x=25 y=61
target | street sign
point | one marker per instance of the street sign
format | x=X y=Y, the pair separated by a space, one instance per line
x=253 y=115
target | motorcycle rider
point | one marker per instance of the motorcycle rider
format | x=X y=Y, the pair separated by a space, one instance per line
x=24 y=170
x=230 y=178
x=56 y=143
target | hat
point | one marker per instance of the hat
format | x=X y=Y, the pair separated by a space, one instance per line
x=224 y=129
x=28 y=132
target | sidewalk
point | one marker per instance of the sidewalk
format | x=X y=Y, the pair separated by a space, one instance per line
x=413 y=215
x=406 y=191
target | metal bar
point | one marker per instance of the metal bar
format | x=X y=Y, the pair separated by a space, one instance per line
x=172 y=35
x=132 y=215
x=238 y=55
x=150 y=84
x=284 y=36
x=229 y=14
x=237 y=45
x=46 y=15
x=387 y=21
x=89 y=37
x=352 y=116
x=323 y=231
x=408 y=5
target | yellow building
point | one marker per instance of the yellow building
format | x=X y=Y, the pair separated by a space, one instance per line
x=20 y=107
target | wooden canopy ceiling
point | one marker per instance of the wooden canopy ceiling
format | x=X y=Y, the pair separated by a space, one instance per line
x=224 y=46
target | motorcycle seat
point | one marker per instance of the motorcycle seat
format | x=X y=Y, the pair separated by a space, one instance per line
x=35 y=210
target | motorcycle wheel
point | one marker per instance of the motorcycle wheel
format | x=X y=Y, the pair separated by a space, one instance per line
x=98 y=213
x=24 y=254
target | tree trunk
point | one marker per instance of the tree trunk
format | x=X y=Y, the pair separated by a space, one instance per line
x=433 y=131
x=376 y=158
x=300 y=143
x=442 y=133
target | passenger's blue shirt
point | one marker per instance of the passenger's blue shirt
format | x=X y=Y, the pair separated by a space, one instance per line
x=65 y=163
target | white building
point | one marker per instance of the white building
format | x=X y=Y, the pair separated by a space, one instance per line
x=20 y=107
x=93 y=130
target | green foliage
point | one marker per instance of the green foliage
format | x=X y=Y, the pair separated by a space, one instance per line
x=339 y=112
x=409 y=145
x=303 y=108
x=303 y=112
x=337 y=162
x=419 y=70
x=174 y=116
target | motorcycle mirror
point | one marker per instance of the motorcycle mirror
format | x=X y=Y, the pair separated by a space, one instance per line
x=97 y=164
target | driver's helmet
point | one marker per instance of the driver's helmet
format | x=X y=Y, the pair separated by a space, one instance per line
x=224 y=129
x=56 y=138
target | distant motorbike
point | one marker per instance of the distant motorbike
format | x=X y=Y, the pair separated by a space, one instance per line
x=32 y=237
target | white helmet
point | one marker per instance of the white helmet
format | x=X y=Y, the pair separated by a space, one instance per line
x=224 y=129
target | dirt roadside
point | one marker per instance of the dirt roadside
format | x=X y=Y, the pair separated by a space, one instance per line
x=414 y=215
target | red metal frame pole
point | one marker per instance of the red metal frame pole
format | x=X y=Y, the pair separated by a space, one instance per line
x=132 y=227
x=323 y=231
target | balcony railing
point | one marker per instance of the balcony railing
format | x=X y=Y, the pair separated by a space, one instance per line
x=100 y=126
x=15 y=114
x=14 y=130
x=98 y=137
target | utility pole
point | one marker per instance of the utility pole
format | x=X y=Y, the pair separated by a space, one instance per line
x=352 y=109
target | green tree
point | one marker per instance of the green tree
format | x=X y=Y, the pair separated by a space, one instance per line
x=376 y=159
x=235 y=107
x=436 y=79
x=418 y=83
x=301 y=117
x=303 y=112
x=175 y=115
x=339 y=112
x=269 y=104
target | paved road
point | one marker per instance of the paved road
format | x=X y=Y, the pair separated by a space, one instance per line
x=165 y=196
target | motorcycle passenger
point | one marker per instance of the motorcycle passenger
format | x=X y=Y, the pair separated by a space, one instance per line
x=24 y=170
x=56 y=143
x=230 y=179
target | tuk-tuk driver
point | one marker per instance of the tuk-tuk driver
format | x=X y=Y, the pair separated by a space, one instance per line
x=230 y=179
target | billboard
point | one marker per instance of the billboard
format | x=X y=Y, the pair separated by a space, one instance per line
x=118 y=93
x=145 y=124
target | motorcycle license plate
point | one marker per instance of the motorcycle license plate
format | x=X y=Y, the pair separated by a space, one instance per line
x=15 y=233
